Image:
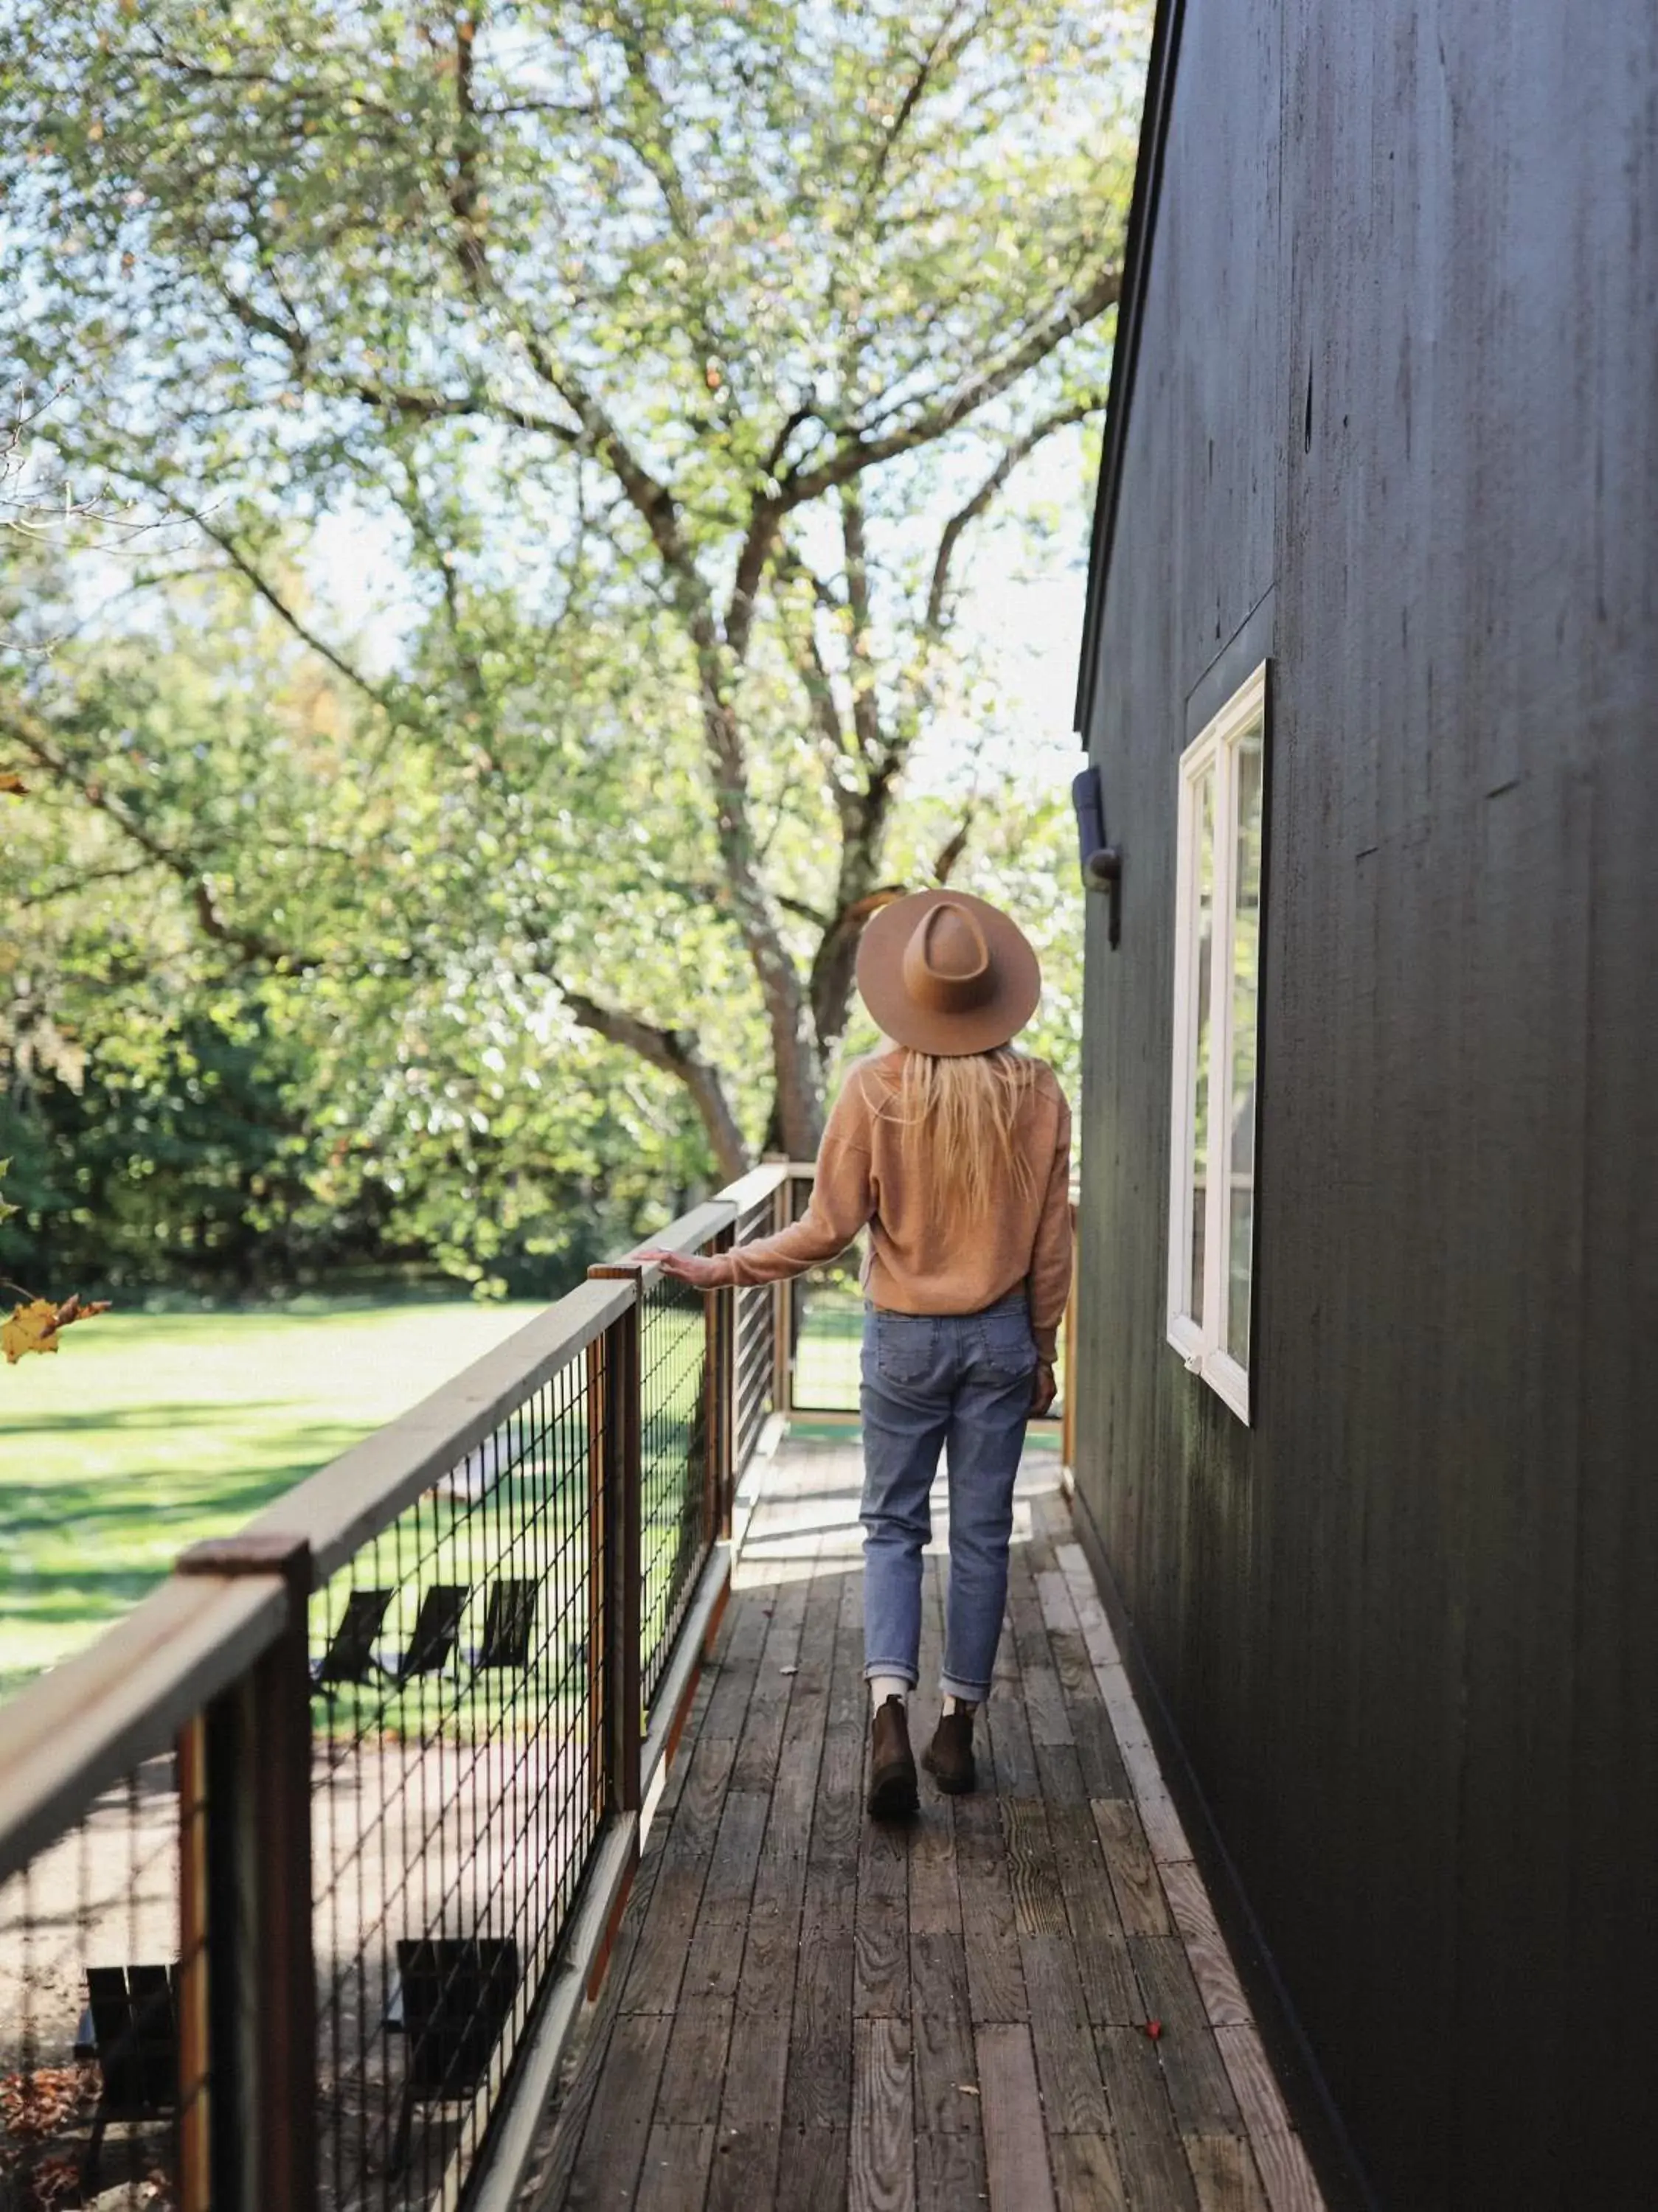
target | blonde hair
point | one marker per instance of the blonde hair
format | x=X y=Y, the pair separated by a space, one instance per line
x=958 y=1116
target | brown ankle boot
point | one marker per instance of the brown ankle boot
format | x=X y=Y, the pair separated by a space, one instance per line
x=891 y=1763
x=949 y=1756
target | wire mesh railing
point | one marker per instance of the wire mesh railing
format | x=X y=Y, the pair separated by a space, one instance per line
x=92 y=1957
x=678 y=1504
x=306 y=1867
x=110 y=1941
x=457 y=1680
x=756 y=1317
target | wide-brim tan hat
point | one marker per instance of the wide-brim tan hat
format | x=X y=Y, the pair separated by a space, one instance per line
x=945 y=973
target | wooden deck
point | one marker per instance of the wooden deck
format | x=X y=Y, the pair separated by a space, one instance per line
x=804 y=2010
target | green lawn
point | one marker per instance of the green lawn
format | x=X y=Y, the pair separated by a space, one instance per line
x=146 y=1431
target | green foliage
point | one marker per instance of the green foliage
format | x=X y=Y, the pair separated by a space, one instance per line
x=678 y=357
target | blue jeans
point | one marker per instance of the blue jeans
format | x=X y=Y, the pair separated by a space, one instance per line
x=959 y=1382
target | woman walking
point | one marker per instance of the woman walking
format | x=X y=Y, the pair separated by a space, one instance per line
x=954 y=1151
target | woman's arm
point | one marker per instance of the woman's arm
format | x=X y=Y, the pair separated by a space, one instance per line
x=842 y=1203
x=1051 y=1258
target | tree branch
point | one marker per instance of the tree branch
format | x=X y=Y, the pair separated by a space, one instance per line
x=23 y=729
x=914 y=93
x=679 y=1053
x=936 y=423
x=866 y=707
x=1022 y=448
x=953 y=846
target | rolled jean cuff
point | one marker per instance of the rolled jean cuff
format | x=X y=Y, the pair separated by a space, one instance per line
x=970 y=1693
x=898 y=1667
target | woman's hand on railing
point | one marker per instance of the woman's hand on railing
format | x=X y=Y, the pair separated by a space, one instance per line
x=703 y=1274
x=1044 y=1388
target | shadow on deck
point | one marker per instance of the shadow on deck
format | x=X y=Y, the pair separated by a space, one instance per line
x=804 y=2010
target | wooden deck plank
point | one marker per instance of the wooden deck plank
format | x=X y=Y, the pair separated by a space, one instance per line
x=549 y=2181
x=1030 y=1631
x=1134 y=1880
x=995 y=1978
x=1039 y=1907
x=758 y=2066
x=1211 y=1961
x=584 y=2065
x=812 y=2166
x=769 y=1701
x=715 y=1960
x=1097 y=1637
x=657 y=1966
x=674 y=2175
x=753 y=2113
x=1017 y=2177
x=608 y=2166
x=949 y=2171
x=1161 y=1823
x=735 y=1663
x=1104 y=1774
x=1069 y=1654
x=1252 y=2083
x=818 y=2092
x=745 y=2168
x=1224 y=2174
x=1286 y=2174
x=688 y=2095
x=837 y=1813
x=1009 y=1730
x=1153 y=2156
x=1067 y=2063
x=881 y=2176
x=1060 y=1772
x=1109 y=1987
x=810 y=2012
x=1198 y=2089
x=946 y=2075
x=881 y=1971
x=1086 y=2176
x=935 y=1895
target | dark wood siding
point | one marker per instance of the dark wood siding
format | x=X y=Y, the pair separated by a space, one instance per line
x=1395 y=422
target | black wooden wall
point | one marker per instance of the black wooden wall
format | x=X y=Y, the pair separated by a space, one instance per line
x=1395 y=422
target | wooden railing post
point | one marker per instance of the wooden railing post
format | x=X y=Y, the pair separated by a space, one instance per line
x=251 y=1901
x=195 y=2041
x=620 y=1558
x=719 y=1423
x=782 y=1309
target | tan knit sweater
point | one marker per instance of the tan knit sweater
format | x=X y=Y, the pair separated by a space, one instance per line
x=915 y=1265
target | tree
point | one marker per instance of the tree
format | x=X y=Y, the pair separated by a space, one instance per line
x=185 y=1102
x=687 y=345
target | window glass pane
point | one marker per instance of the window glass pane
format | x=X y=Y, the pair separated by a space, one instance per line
x=1248 y=784
x=1203 y=934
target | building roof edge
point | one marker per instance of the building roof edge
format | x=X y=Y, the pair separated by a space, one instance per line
x=1136 y=259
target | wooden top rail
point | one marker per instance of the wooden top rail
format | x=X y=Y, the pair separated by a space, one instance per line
x=685 y=1234
x=758 y=1183
x=79 y=1729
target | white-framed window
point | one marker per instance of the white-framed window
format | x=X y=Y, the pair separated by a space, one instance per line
x=1217 y=941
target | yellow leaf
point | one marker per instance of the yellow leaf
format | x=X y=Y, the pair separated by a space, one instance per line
x=32 y=1328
